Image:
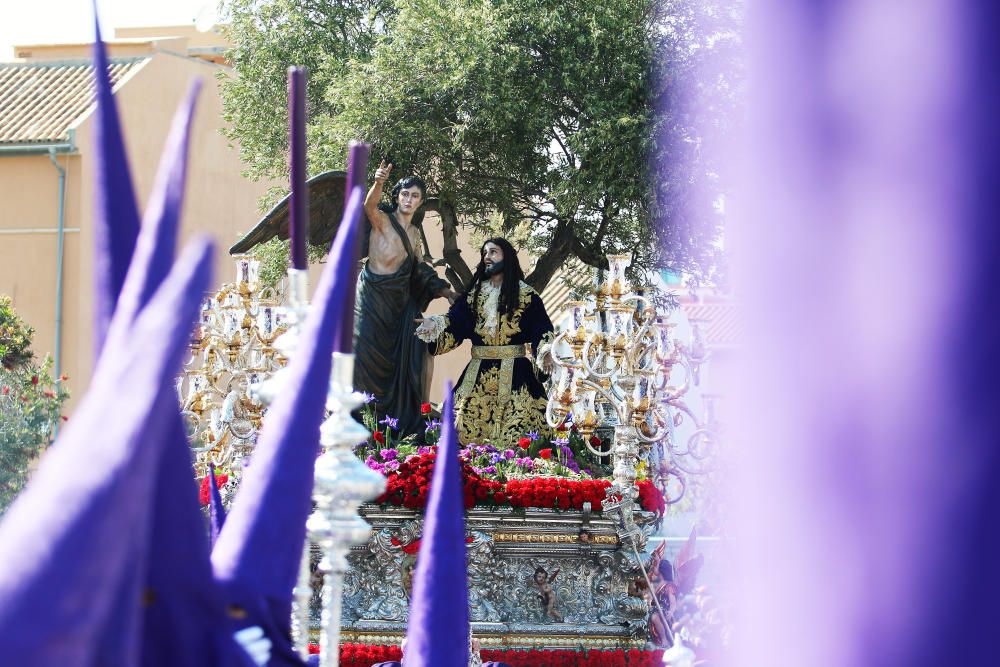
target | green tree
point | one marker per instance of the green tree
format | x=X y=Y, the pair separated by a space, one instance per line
x=520 y=114
x=30 y=403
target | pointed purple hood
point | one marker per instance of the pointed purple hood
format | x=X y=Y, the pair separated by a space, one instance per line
x=183 y=623
x=116 y=215
x=216 y=510
x=66 y=543
x=259 y=552
x=437 y=632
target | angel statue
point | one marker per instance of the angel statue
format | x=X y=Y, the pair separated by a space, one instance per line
x=542 y=580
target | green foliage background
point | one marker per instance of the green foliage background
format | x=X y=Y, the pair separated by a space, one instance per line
x=588 y=123
x=30 y=403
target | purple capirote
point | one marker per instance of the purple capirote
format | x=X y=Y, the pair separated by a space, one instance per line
x=865 y=399
x=258 y=554
x=216 y=510
x=67 y=545
x=438 y=628
x=116 y=214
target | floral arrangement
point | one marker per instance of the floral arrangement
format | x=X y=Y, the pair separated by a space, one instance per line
x=555 y=471
x=204 y=490
x=363 y=655
x=408 y=485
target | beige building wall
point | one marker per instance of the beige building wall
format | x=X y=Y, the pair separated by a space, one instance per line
x=219 y=202
x=29 y=189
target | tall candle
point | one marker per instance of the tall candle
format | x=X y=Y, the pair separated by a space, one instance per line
x=357 y=171
x=298 y=219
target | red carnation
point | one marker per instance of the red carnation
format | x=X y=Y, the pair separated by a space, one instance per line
x=425 y=408
x=378 y=437
x=545 y=453
x=499 y=497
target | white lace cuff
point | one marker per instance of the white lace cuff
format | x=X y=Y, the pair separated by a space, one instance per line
x=432 y=327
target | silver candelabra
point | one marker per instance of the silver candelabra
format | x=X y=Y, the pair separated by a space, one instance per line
x=613 y=367
x=235 y=347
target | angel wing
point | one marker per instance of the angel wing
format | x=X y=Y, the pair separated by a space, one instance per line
x=326 y=209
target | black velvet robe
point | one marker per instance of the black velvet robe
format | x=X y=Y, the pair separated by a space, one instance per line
x=390 y=361
x=498 y=400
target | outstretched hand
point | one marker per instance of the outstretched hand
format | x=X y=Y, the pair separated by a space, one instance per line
x=383 y=171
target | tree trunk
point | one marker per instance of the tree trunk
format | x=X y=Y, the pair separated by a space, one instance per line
x=457 y=271
x=560 y=248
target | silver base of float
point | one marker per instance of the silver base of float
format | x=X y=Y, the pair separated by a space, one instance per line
x=592 y=577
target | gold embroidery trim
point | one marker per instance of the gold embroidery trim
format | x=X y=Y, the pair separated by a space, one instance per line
x=498 y=351
x=556 y=539
x=469 y=381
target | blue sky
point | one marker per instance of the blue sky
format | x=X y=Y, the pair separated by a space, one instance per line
x=54 y=21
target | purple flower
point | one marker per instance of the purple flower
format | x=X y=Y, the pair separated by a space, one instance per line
x=432 y=425
x=389 y=454
x=509 y=454
x=566 y=451
x=375 y=465
x=368 y=397
x=424 y=450
x=532 y=435
x=562 y=441
x=496 y=456
x=390 y=422
x=490 y=470
x=524 y=462
x=392 y=465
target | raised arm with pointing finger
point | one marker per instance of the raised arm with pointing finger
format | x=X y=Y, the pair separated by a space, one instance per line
x=394 y=286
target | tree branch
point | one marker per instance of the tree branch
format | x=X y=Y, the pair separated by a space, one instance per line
x=560 y=247
x=457 y=271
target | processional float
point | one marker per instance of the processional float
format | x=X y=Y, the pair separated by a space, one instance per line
x=615 y=366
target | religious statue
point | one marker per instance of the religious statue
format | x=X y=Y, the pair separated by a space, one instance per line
x=499 y=396
x=542 y=580
x=394 y=286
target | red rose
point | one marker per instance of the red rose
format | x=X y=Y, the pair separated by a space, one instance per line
x=524 y=443
x=378 y=437
x=595 y=441
x=34 y=379
x=545 y=453
x=425 y=408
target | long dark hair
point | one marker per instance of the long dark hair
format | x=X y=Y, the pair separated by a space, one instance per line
x=512 y=276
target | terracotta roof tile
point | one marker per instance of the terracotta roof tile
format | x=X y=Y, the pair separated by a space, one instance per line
x=39 y=102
